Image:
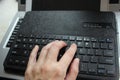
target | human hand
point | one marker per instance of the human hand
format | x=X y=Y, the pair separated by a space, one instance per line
x=48 y=68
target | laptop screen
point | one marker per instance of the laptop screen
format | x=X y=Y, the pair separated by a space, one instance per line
x=90 y=5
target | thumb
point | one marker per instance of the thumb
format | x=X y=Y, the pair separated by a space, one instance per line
x=73 y=71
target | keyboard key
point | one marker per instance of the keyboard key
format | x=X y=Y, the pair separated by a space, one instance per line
x=11 y=61
x=30 y=40
x=25 y=46
x=72 y=38
x=80 y=44
x=25 y=40
x=95 y=45
x=65 y=37
x=87 y=45
x=82 y=51
x=106 y=60
x=50 y=41
x=85 y=58
x=32 y=36
x=90 y=52
x=30 y=46
x=102 y=40
x=14 y=33
x=110 y=70
x=9 y=44
x=20 y=35
x=98 y=52
x=110 y=46
x=36 y=41
x=86 y=39
x=51 y=37
x=94 y=59
x=79 y=38
x=108 y=53
x=101 y=71
x=103 y=46
x=24 y=62
x=16 y=61
x=58 y=37
x=26 y=53
x=14 y=52
x=109 y=40
x=45 y=37
x=17 y=27
x=101 y=66
x=93 y=39
x=92 y=68
x=83 y=67
x=19 y=40
x=16 y=46
x=12 y=38
x=44 y=41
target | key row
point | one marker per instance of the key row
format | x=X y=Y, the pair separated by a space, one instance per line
x=67 y=37
x=97 y=69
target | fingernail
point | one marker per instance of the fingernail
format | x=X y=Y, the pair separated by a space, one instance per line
x=36 y=46
x=56 y=40
x=73 y=44
x=77 y=60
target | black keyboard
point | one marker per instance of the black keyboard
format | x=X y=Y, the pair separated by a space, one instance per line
x=96 y=45
x=96 y=54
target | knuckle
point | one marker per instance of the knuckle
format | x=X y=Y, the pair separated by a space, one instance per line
x=62 y=42
x=70 y=54
x=31 y=56
x=55 y=45
x=59 y=71
x=35 y=69
x=27 y=72
x=45 y=69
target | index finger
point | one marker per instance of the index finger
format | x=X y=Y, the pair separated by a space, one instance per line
x=68 y=56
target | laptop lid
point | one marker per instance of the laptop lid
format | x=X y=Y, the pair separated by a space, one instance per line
x=94 y=5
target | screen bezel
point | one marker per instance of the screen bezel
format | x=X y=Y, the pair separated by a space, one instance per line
x=104 y=5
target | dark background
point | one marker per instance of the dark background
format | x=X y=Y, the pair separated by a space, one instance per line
x=91 y=5
x=114 y=1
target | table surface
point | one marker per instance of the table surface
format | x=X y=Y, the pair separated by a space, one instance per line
x=8 y=9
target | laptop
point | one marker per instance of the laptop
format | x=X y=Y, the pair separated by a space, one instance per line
x=91 y=31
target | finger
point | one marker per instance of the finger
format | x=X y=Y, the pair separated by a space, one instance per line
x=68 y=56
x=73 y=71
x=44 y=52
x=32 y=58
x=54 y=50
